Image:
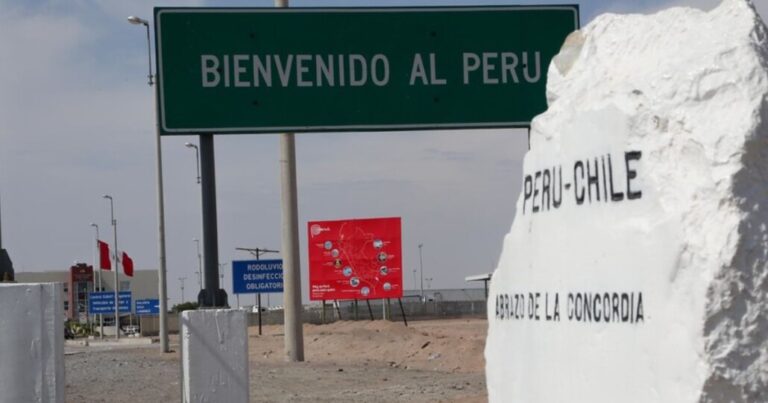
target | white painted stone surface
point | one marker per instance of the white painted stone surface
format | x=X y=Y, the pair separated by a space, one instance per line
x=214 y=346
x=31 y=343
x=671 y=109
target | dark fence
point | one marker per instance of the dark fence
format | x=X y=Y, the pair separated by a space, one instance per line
x=349 y=310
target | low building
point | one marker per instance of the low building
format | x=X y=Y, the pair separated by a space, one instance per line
x=80 y=280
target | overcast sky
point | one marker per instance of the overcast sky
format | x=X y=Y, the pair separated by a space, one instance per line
x=76 y=122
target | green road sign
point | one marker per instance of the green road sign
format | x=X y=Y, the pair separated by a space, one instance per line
x=304 y=69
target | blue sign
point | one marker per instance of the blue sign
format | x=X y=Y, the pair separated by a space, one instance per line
x=257 y=276
x=147 y=307
x=104 y=302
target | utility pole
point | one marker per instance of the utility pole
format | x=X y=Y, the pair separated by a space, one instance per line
x=257 y=252
x=199 y=264
x=181 y=279
x=421 y=269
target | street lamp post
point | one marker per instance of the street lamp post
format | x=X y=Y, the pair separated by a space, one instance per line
x=140 y=21
x=162 y=288
x=197 y=158
x=117 y=283
x=199 y=264
x=221 y=273
x=95 y=260
x=181 y=279
x=421 y=270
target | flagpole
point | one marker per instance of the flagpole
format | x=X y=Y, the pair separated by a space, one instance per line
x=127 y=263
x=91 y=318
x=101 y=288
x=96 y=262
x=117 y=284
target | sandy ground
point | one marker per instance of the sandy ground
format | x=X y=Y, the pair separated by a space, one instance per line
x=429 y=361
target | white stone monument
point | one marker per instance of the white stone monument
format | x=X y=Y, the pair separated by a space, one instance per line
x=214 y=354
x=31 y=343
x=636 y=269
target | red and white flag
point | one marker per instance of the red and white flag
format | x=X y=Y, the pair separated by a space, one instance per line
x=127 y=265
x=104 y=261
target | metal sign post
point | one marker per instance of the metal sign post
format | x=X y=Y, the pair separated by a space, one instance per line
x=211 y=295
x=258 y=306
x=402 y=311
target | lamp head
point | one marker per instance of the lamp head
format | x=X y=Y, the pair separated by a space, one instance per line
x=107 y=197
x=137 y=21
x=190 y=145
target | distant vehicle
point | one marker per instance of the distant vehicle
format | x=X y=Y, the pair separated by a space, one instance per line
x=131 y=330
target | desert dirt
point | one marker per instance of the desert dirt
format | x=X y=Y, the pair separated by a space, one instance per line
x=363 y=361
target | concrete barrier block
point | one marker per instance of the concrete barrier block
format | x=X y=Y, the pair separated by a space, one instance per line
x=214 y=347
x=32 y=343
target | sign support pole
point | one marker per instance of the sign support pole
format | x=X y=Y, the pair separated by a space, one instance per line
x=258 y=298
x=402 y=311
x=370 y=311
x=211 y=295
x=294 y=336
x=338 y=308
x=322 y=312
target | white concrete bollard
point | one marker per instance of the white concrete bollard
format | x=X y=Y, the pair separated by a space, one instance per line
x=214 y=348
x=31 y=343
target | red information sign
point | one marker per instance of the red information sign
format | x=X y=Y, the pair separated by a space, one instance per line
x=355 y=259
